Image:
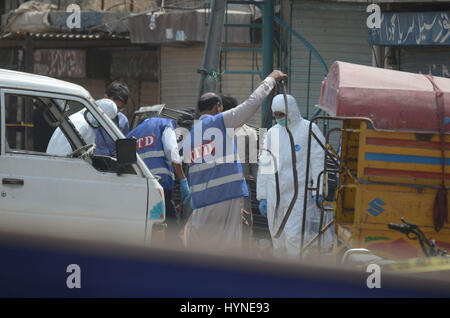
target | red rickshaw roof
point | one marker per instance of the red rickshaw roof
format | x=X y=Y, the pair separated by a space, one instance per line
x=391 y=100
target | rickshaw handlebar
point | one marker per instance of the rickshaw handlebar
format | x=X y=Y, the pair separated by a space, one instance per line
x=407 y=228
x=404 y=228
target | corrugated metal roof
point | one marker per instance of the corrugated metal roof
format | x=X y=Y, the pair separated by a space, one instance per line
x=63 y=36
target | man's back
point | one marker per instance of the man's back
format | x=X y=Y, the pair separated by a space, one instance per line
x=104 y=143
x=60 y=146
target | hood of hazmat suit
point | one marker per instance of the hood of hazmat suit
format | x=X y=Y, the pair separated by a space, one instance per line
x=278 y=142
x=60 y=146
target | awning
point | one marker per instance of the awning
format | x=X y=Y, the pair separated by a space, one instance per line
x=63 y=40
x=390 y=100
x=62 y=36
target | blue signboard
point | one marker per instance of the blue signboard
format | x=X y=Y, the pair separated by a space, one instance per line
x=412 y=29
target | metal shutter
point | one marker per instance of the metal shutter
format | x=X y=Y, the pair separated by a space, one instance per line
x=180 y=80
x=241 y=86
x=338 y=32
x=179 y=77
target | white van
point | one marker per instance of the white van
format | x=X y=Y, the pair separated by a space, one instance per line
x=81 y=195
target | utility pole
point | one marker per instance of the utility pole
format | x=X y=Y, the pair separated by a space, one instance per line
x=213 y=47
x=268 y=36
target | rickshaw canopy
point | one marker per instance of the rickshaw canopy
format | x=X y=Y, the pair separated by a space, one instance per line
x=391 y=100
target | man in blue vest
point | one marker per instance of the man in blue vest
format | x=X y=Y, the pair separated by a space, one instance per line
x=215 y=173
x=118 y=92
x=157 y=145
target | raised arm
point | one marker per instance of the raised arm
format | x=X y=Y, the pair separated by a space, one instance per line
x=239 y=115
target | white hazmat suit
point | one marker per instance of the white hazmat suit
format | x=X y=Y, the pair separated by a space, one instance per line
x=60 y=146
x=278 y=142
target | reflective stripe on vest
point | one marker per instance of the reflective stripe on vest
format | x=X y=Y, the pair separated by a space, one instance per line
x=152 y=154
x=217 y=181
x=204 y=166
x=161 y=171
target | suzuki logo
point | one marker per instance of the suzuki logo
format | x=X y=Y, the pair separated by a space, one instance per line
x=374 y=207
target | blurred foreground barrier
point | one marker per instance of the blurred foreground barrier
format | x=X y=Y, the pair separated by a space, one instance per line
x=44 y=267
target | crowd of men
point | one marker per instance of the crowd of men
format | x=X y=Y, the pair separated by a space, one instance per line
x=220 y=167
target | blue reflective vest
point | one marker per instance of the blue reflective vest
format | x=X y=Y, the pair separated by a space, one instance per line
x=150 y=147
x=215 y=173
x=104 y=144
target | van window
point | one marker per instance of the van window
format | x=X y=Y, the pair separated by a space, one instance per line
x=28 y=127
x=47 y=126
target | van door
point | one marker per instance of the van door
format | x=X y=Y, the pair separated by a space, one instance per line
x=59 y=195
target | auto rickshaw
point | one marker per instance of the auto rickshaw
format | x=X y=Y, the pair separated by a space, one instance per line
x=393 y=161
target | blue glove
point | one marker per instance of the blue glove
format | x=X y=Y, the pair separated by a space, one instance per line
x=184 y=189
x=263 y=207
x=320 y=199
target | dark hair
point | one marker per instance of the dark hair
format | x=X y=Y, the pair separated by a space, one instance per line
x=207 y=101
x=118 y=90
x=228 y=102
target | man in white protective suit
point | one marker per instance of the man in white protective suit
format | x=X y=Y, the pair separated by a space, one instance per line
x=278 y=143
x=60 y=146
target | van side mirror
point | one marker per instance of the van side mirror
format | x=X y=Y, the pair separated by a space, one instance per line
x=126 y=153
